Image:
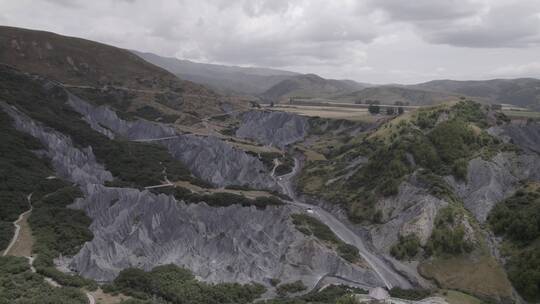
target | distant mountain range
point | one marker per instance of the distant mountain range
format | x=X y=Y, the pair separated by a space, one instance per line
x=224 y=79
x=271 y=85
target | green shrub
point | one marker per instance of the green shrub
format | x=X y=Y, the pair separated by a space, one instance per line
x=178 y=285
x=348 y=252
x=289 y=288
x=517 y=220
x=448 y=235
x=410 y=294
x=524 y=272
x=315 y=227
x=407 y=247
x=19 y=285
x=220 y=199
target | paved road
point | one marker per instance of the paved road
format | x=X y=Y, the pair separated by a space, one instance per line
x=389 y=276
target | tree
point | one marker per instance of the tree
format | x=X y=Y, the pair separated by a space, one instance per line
x=390 y=111
x=400 y=110
x=374 y=109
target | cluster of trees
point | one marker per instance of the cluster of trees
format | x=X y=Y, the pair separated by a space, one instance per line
x=448 y=235
x=333 y=294
x=406 y=248
x=410 y=294
x=375 y=109
x=517 y=220
x=20 y=285
x=288 y=288
x=518 y=217
x=20 y=173
x=178 y=285
x=58 y=230
x=309 y=225
x=443 y=148
x=220 y=199
x=447 y=238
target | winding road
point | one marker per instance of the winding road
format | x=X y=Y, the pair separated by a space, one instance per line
x=388 y=276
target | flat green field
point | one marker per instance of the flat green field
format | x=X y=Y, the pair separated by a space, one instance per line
x=524 y=114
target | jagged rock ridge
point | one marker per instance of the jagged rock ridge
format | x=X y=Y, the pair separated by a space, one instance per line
x=134 y=228
x=273 y=128
x=207 y=157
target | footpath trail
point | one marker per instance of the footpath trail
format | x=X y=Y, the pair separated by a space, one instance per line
x=22 y=242
x=388 y=276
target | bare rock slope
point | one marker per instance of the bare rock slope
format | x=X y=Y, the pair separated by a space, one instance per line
x=273 y=128
x=209 y=158
x=134 y=228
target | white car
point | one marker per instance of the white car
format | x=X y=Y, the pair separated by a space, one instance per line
x=309 y=210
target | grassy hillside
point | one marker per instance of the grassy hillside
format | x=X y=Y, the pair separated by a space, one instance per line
x=226 y=79
x=391 y=94
x=523 y=92
x=308 y=86
x=396 y=149
x=517 y=220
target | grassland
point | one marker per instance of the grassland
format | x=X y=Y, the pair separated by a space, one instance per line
x=460 y=273
x=354 y=114
x=522 y=114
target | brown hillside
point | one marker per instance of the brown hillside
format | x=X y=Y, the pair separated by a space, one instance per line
x=98 y=70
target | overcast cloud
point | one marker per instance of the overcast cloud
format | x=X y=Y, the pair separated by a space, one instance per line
x=378 y=41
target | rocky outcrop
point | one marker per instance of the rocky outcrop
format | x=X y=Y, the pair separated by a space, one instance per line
x=234 y=244
x=273 y=128
x=220 y=163
x=209 y=158
x=134 y=228
x=76 y=165
x=490 y=181
x=107 y=122
x=411 y=211
x=524 y=135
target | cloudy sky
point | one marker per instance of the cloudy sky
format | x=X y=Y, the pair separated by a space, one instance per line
x=380 y=41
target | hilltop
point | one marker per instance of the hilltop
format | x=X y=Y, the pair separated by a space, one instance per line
x=101 y=71
x=309 y=86
x=222 y=78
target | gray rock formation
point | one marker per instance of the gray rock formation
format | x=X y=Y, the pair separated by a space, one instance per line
x=524 y=135
x=489 y=182
x=105 y=121
x=273 y=128
x=209 y=158
x=134 y=228
x=76 y=165
x=411 y=211
x=220 y=163
x=234 y=244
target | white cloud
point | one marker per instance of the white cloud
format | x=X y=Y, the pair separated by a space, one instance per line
x=521 y=70
x=334 y=38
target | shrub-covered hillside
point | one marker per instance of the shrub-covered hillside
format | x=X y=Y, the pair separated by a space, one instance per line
x=517 y=220
x=439 y=140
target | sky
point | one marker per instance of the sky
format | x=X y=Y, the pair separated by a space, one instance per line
x=375 y=41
